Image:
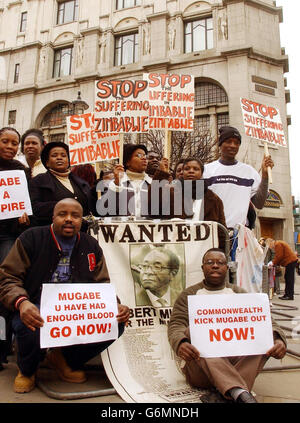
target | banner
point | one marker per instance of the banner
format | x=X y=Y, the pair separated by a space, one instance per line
x=88 y=146
x=150 y=264
x=14 y=195
x=78 y=314
x=263 y=122
x=250 y=259
x=121 y=106
x=171 y=99
x=230 y=325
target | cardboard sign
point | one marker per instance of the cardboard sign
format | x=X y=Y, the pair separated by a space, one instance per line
x=121 y=106
x=88 y=146
x=78 y=314
x=171 y=99
x=14 y=195
x=263 y=122
x=230 y=325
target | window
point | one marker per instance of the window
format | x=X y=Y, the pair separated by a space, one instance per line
x=17 y=73
x=57 y=138
x=23 y=22
x=223 y=120
x=126 y=50
x=209 y=93
x=67 y=11
x=122 y=4
x=62 y=62
x=12 y=116
x=198 y=35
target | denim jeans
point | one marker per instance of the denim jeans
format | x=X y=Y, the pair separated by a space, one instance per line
x=30 y=354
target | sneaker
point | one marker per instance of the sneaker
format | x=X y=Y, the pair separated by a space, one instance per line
x=24 y=384
x=58 y=362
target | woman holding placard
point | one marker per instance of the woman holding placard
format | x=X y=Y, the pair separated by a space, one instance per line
x=10 y=229
x=56 y=184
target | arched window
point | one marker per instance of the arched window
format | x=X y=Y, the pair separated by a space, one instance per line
x=211 y=107
x=57 y=115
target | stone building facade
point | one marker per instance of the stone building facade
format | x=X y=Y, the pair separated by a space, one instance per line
x=51 y=49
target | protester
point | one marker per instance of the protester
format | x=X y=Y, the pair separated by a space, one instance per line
x=56 y=184
x=102 y=184
x=285 y=257
x=158 y=270
x=162 y=202
x=153 y=162
x=10 y=229
x=236 y=183
x=231 y=378
x=127 y=194
x=32 y=144
x=178 y=170
x=51 y=254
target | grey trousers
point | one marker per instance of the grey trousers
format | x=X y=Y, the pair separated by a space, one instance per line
x=224 y=373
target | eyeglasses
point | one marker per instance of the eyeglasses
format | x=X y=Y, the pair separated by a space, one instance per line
x=140 y=155
x=156 y=267
x=212 y=262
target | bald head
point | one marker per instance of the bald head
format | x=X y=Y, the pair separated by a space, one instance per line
x=67 y=218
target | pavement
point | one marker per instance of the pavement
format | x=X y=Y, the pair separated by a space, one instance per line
x=279 y=382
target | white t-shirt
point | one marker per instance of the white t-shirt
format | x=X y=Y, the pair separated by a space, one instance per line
x=235 y=184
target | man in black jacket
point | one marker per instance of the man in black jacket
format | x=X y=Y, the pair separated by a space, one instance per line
x=51 y=254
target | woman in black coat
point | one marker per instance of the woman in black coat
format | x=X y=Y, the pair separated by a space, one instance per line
x=56 y=184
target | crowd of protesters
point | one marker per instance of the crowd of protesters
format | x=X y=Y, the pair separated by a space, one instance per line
x=225 y=191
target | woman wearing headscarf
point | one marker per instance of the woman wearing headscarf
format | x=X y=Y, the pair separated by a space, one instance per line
x=128 y=193
x=56 y=184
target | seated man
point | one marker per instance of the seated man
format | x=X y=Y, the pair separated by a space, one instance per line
x=232 y=377
x=53 y=254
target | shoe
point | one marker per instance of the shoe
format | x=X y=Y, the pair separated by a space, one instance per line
x=285 y=297
x=24 y=384
x=214 y=397
x=64 y=371
x=246 y=397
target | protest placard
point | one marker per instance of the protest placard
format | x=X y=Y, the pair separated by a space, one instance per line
x=15 y=200
x=121 y=106
x=140 y=364
x=88 y=146
x=78 y=314
x=263 y=122
x=225 y=325
x=171 y=100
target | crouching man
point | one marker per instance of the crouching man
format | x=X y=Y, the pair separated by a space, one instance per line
x=231 y=378
x=59 y=253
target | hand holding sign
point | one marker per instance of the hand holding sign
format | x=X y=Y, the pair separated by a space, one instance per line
x=278 y=351
x=118 y=173
x=30 y=315
x=188 y=352
x=267 y=165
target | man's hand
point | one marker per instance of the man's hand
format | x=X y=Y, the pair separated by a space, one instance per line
x=123 y=314
x=24 y=220
x=30 y=315
x=267 y=162
x=188 y=352
x=278 y=350
x=118 y=173
x=164 y=165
